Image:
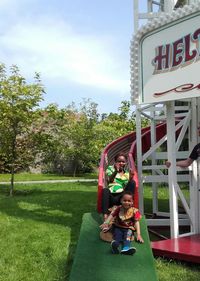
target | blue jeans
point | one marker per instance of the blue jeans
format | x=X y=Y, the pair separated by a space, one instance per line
x=122 y=235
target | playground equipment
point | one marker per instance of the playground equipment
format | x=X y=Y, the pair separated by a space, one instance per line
x=187 y=246
x=161 y=91
x=180 y=118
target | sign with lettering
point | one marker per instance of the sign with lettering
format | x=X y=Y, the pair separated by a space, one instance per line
x=170 y=61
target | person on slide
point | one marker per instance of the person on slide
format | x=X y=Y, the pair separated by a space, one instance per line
x=118 y=180
x=125 y=219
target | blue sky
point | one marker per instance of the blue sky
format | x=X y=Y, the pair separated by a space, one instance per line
x=80 y=47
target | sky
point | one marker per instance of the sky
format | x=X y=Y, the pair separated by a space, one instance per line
x=80 y=48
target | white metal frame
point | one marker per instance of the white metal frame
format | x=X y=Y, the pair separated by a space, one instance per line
x=191 y=117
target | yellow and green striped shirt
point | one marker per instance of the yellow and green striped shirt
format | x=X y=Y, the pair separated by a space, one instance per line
x=119 y=182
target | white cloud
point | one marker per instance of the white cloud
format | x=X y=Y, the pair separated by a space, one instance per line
x=52 y=47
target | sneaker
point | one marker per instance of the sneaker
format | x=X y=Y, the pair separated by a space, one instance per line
x=114 y=247
x=128 y=250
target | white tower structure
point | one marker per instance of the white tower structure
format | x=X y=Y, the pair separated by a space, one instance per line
x=182 y=117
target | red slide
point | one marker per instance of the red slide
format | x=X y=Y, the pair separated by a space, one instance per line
x=126 y=144
x=182 y=248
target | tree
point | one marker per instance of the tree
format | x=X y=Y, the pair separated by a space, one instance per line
x=17 y=102
x=52 y=139
x=64 y=137
x=81 y=133
x=113 y=126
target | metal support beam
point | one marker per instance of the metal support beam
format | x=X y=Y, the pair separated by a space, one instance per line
x=173 y=196
x=139 y=158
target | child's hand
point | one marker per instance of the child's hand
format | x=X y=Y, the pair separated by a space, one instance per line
x=118 y=167
x=105 y=227
x=168 y=164
x=131 y=174
x=140 y=239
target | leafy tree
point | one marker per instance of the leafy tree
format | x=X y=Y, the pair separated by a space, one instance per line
x=17 y=102
x=72 y=139
x=67 y=140
x=115 y=125
x=64 y=136
x=81 y=132
x=48 y=138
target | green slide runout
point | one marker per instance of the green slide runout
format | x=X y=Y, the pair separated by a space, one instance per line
x=94 y=260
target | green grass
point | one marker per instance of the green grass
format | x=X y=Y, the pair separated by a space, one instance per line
x=40 y=228
x=163 y=196
x=176 y=270
x=40 y=177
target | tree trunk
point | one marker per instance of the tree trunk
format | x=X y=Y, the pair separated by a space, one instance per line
x=75 y=168
x=12 y=181
x=13 y=162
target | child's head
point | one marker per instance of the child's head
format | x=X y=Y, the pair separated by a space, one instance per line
x=127 y=200
x=121 y=159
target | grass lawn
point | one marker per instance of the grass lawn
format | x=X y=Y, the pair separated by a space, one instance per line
x=40 y=228
x=40 y=177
